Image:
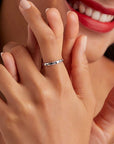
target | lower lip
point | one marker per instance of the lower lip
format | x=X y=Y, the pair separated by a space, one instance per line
x=93 y=24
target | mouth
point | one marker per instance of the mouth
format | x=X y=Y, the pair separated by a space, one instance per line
x=93 y=15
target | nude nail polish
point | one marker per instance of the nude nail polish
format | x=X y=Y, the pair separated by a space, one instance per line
x=46 y=9
x=1 y=54
x=25 y=4
x=68 y=12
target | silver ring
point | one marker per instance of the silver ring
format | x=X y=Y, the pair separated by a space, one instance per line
x=53 y=63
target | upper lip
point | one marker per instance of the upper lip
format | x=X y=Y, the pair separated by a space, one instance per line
x=99 y=7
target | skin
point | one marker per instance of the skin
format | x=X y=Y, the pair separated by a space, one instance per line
x=57 y=98
x=93 y=57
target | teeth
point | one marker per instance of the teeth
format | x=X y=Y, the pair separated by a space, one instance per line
x=103 y=18
x=110 y=18
x=94 y=14
x=75 y=6
x=89 y=11
x=82 y=8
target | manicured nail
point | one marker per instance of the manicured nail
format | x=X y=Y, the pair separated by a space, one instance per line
x=84 y=43
x=68 y=12
x=46 y=9
x=1 y=54
x=25 y=4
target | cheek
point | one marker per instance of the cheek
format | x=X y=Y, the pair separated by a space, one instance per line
x=95 y=49
x=97 y=43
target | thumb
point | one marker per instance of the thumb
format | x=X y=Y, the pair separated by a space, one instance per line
x=80 y=72
x=105 y=119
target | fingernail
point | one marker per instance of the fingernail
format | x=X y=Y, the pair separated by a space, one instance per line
x=84 y=43
x=25 y=4
x=46 y=9
x=1 y=54
x=68 y=12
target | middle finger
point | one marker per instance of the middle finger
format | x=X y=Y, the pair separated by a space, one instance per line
x=49 y=40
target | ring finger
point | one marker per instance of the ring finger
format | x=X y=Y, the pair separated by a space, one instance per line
x=49 y=38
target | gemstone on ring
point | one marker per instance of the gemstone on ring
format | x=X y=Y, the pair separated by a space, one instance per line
x=53 y=63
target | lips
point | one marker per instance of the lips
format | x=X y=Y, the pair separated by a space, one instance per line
x=99 y=7
x=88 y=21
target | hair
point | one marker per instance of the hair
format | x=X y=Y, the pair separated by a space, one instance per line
x=109 y=53
x=0 y=1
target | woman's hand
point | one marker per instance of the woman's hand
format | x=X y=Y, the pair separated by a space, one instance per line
x=58 y=112
x=97 y=134
x=103 y=126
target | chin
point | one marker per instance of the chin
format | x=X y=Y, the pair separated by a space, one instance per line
x=92 y=57
x=95 y=52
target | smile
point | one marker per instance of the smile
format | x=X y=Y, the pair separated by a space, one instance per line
x=93 y=15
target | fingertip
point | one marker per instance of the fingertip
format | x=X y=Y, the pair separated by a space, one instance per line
x=72 y=26
x=52 y=11
x=78 y=52
x=55 y=21
x=9 y=63
x=72 y=15
x=7 y=58
x=24 y=4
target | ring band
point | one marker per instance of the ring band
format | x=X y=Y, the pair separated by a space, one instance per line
x=53 y=63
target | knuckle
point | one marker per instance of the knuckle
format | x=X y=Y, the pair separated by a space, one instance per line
x=26 y=109
x=9 y=45
x=17 y=50
x=49 y=38
x=45 y=93
x=47 y=97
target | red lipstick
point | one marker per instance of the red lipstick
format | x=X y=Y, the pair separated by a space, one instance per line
x=98 y=7
x=92 y=24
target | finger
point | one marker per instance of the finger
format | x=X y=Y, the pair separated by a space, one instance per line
x=3 y=107
x=9 y=60
x=50 y=49
x=10 y=65
x=33 y=48
x=44 y=35
x=28 y=72
x=8 y=86
x=3 y=111
x=105 y=118
x=80 y=71
x=70 y=35
x=8 y=47
x=55 y=23
x=16 y=49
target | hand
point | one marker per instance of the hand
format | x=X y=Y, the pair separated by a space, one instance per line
x=70 y=38
x=103 y=125
x=52 y=106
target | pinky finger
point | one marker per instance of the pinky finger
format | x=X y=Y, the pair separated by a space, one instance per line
x=10 y=65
